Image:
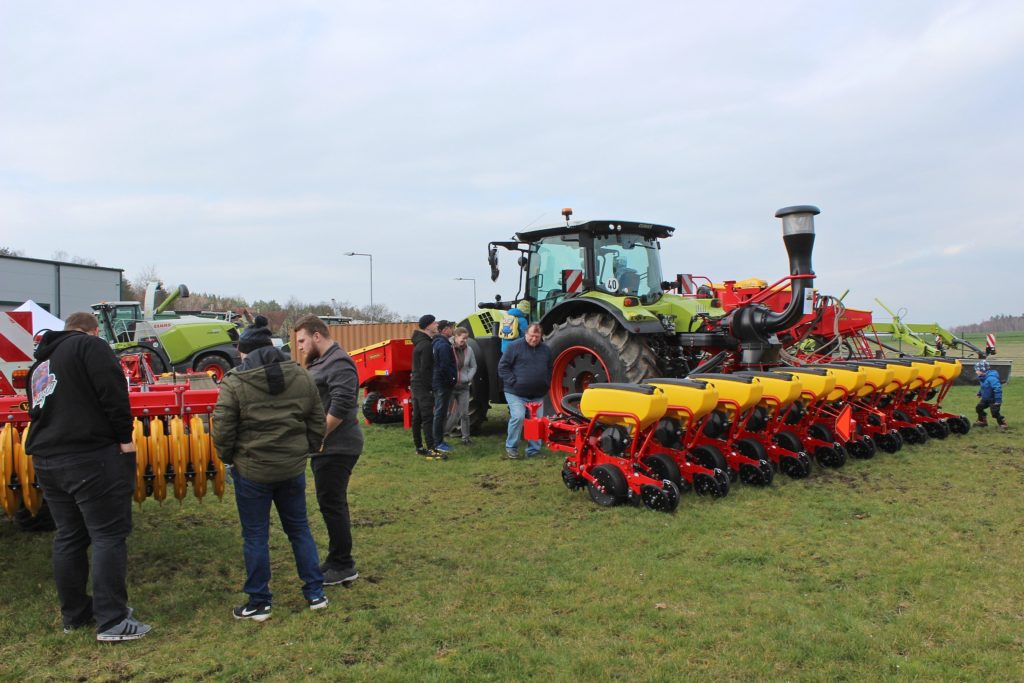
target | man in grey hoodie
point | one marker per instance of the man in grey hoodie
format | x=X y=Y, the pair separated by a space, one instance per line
x=338 y=383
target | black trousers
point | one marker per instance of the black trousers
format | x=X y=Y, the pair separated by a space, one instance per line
x=90 y=498
x=995 y=407
x=423 y=418
x=331 y=474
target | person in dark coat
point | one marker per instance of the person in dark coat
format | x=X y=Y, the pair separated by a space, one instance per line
x=337 y=381
x=421 y=387
x=525 y=370
x=80 y=440
x=445 y=377
x=267 y=421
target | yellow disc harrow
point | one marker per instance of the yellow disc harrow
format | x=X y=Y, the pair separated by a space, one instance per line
x=8 y=497
x=199 y=442
x=179 y=457
x=141 y=460
x=158 y=458
x=31 y=495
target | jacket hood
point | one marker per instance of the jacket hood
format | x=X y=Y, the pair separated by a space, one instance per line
x=51 y=340
x=268 y=370
x=420 y=337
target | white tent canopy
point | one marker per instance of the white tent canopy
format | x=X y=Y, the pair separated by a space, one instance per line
x=41 y=318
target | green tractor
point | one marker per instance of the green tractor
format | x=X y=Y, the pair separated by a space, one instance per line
x=178 y=343
x=597 y=290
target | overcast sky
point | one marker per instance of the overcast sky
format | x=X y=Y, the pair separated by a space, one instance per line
x=243 y=147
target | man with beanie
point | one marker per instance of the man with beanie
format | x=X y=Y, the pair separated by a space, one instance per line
x=84 y=458
x=337 y=381
x=445 y=376
x=267 y=420
x=421 y=387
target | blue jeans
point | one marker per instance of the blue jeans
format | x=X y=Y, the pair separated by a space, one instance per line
x=90 y=498
x=442 y=405
x=517 y=412
x=289 y=497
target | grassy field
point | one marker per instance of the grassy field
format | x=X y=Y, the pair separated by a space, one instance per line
x=1009 y=346
x=904 y=567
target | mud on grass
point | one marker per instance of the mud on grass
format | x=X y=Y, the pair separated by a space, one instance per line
x=479 y=568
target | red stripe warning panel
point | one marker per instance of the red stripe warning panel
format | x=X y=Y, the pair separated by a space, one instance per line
x=573 y=281
x=16 y=336
x=991 y=340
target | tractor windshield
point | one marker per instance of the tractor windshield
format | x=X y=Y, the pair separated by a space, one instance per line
x=556 y=268
x=628 y=265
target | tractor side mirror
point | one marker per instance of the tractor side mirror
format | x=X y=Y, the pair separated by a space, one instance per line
x=492 y=261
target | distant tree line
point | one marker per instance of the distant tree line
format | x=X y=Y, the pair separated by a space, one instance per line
x=280 y=316
x=998 y=323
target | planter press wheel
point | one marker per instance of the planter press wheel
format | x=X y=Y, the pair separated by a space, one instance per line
x=665 y=468
x=959 y=425
x=660 y=499
x=611 y=487
x=710 y=457
x=761 y=475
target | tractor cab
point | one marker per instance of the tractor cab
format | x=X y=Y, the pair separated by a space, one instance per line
x=614 y=258
x=122 y=322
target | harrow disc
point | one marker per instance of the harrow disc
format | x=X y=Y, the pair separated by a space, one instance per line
x=216 y=469
x=664 y=499
x=610 y=487
x=199 y=448
x=179 y=457
x=31 y=495
x=158 y=459
x=141 y=460
x=8 y=497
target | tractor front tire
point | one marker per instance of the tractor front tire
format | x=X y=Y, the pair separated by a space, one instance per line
x=215 y=364
x=594 y=347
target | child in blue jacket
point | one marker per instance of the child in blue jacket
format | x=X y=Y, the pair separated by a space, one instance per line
x=991 y=394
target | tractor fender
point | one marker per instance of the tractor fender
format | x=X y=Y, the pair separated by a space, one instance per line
x=583 y=305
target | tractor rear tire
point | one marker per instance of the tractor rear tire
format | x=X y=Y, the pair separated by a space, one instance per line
x=213 y=363
x=594 y=347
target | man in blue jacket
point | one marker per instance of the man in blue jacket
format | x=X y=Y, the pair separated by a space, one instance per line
x=446 y=375
x=525 y=370
x=991 y=394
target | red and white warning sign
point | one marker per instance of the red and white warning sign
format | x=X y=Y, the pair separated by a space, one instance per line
x=573 y=280
x=990 y=340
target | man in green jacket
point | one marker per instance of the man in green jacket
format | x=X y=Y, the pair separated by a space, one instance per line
x=268 y=418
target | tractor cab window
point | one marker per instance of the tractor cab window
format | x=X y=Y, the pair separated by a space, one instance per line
x=556 y=268
x=628 y=265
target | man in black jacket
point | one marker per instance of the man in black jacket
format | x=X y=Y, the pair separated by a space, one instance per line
x=81 y=445
x=525 y=370
x=337 y=380
x=420 y=385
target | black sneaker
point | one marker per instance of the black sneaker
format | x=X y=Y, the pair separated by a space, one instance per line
x=130 y=628
x=345 y=577
x=251 y=611
x=422 y=451
x=318 y=603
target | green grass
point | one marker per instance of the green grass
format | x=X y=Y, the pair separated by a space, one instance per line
x=906 y=566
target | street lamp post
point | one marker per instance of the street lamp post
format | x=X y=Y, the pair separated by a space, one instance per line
x=473 y=280
x=369 y=256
